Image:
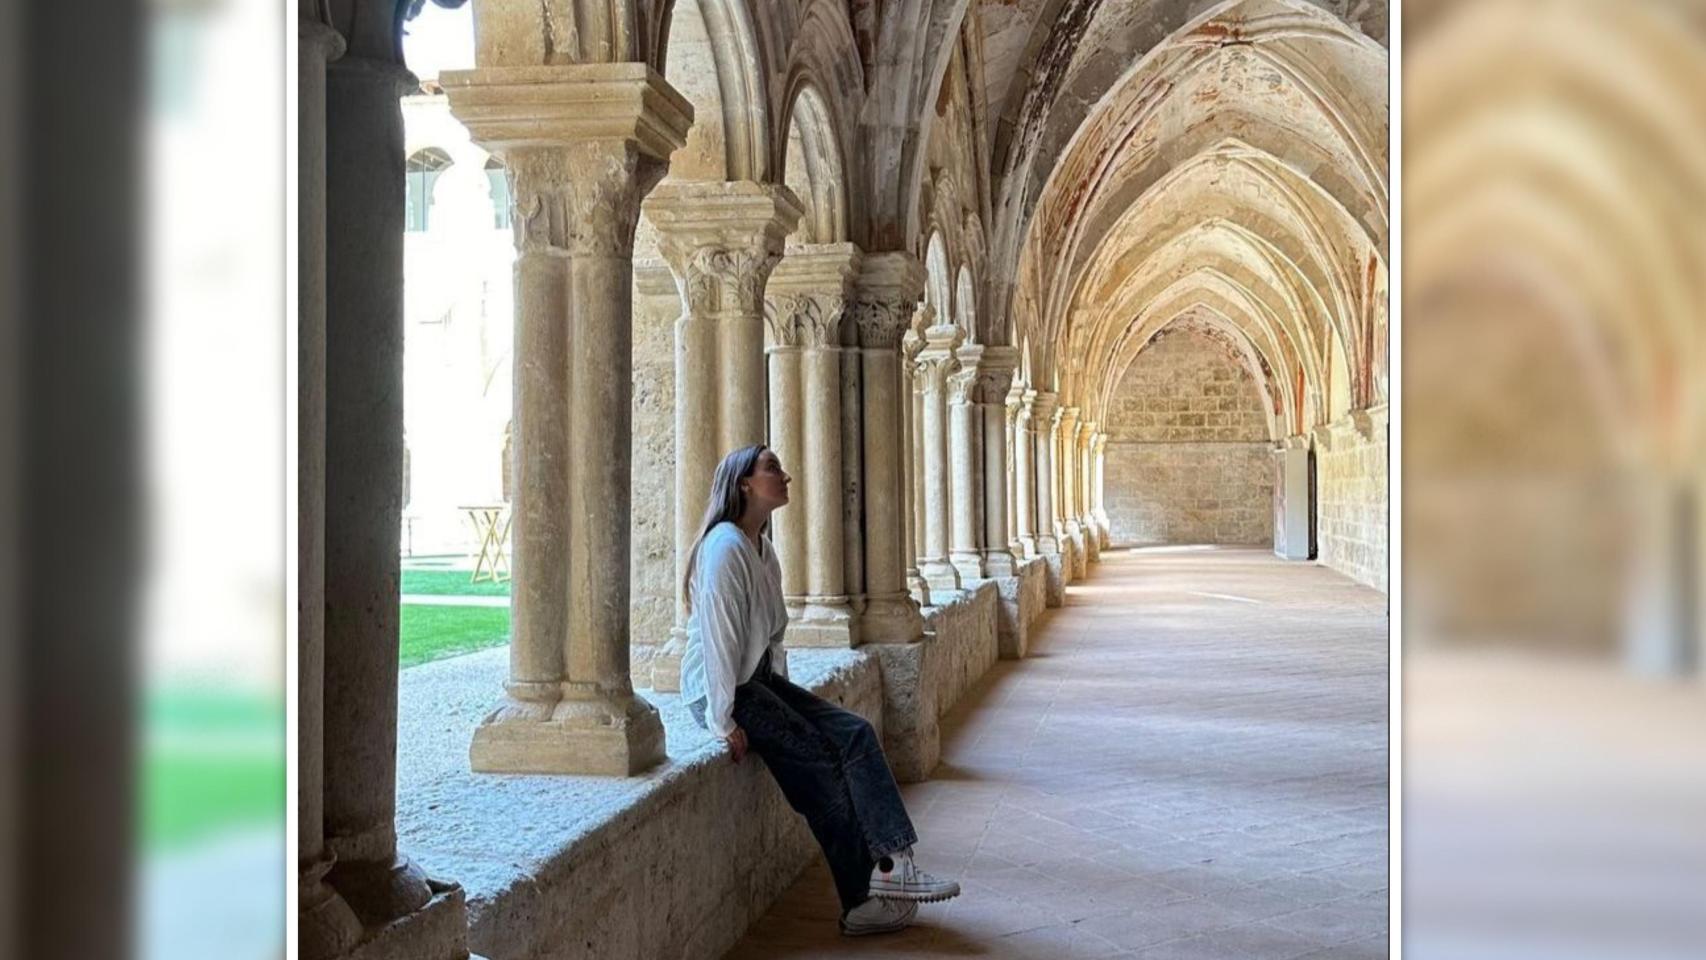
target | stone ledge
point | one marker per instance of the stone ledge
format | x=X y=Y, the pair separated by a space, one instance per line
x=1023 y=598
x=922 y=681
x=676 y=862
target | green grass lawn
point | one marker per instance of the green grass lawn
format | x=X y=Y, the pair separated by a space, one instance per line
x=212 y=760
x=433 y=632
x=450 y=583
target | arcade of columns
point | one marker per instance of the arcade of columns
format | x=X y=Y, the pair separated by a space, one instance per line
x=860 y=320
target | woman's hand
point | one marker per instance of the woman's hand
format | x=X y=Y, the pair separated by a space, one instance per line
x=737 y=744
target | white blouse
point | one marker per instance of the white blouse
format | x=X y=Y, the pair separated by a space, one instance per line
x=738 y=614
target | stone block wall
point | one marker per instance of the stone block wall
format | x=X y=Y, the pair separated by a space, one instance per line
x=1189 y=456
x=1351 y=508
x=1190 y=492
x=922 y=681
x=1023 y=598
x=651 y=565
x=675 y=863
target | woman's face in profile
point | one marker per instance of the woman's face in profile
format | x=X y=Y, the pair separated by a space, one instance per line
x=767 y=488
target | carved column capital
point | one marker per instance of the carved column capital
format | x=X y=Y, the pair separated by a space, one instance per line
x=805 y=319
x=582 y=199
x=722 y=240
x=888 y=290
x=962 y=384
x=882 y=324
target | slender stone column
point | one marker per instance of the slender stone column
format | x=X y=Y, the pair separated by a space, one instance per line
x=1067 y=439
x=1086 y=507
x=936 y=363
x=583 y=144
x=1099 y=490
x=808 y=292
x=889 y=287
x=912 y=442
x=965 y=462
x=721 y=241
x=1011 y=418
x=852 y=465
x=1045 y=417
x=363 y=484
x=994 y=383
x=786 y=438
x=1025 y=472
x=326 y=926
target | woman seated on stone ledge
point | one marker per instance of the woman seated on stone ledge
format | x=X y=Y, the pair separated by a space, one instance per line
x=827 y=760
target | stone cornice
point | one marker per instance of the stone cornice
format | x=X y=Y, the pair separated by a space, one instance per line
x=509 y=108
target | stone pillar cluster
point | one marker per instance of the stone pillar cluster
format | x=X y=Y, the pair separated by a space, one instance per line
x=937 y=364
x=359 y=896
x=584 y=145
x=805 y=303
x=889 y=287
x=722 y=240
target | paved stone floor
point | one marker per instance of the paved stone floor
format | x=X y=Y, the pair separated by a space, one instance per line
x=1192 y=764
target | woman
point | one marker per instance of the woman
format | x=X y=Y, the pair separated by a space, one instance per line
x=827 y=760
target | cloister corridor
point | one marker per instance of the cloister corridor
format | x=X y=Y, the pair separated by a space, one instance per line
x=1191 y=763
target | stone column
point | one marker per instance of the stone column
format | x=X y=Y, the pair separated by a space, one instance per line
x=1294 y=535
x=936 y=363
x=1067 y=438
x=1086 y=510
x=889 y=287
x=852 y=464
x=583 y=144
x=1045 y=417
x=326 y=926
x=1025 y=472
x=808 y=292
x=363 y=484
x=994 y=384
x=912 y=442
x=1099 y=489
x=786 y=423
x=965 y=461
x=721 y=241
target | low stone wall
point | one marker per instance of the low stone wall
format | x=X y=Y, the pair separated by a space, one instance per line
x=675 y=863
x=1080 y=554
x=1351 y=510
x=922 y=681
x=1054 y=579
x=1023 y=598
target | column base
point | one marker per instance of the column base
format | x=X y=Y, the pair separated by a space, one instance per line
x=379 y=892
x=969 y=564
x=890 y=619
x=1027 y=547
x=666 y=662
x=1047 y=546
x=942 y=577
x=606 y=736
x=823 y=622
x=326 y=926
x=437 y=931
x=1000 y=563
x=917 y=587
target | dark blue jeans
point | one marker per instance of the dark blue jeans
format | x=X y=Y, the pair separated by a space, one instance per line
x=830 y=766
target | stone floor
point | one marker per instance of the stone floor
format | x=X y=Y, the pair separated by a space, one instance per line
x=1191 y=764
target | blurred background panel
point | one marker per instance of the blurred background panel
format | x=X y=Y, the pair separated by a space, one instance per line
x=1554 y=184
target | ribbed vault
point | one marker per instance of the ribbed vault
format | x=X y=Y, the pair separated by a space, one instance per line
x=1237 y=172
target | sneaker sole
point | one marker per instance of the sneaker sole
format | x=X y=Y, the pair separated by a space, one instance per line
x=867 y=931
x=877 y=890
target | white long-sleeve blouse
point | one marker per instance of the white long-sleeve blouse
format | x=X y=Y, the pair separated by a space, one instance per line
x=738 y=614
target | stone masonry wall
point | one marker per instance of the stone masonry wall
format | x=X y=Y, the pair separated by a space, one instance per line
x=651 y=565
x=676 y=863
x=1351 y=525
x=922 y=681
x=1189 y=458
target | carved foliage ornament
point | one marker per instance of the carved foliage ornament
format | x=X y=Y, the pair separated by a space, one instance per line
x=809 y=319
x=719 y=280
x=881 y=322
x=583 y=198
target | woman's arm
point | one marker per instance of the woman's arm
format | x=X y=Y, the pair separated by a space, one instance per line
x=720 y=601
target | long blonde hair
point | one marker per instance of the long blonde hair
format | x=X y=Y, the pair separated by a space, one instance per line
x=727 y=502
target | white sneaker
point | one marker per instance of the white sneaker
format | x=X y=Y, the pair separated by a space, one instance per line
x=878 y=916
x=898 y=878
